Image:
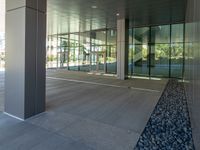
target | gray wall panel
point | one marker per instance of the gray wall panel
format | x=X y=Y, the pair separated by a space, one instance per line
x=192 y=66
x=15 y=63
x=41 y=63
x=13 y=4
x=30 y=61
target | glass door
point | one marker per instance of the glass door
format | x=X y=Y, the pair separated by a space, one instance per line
x=98 y=58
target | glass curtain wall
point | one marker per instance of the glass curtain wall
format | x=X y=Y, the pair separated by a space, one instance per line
x=85 y=51
x=157 y=51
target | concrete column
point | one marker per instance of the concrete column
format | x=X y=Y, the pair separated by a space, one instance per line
x=25 y=57
x=122 y=48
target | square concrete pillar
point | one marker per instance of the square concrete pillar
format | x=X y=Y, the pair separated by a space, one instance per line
x=25 y=57
x=122 y=48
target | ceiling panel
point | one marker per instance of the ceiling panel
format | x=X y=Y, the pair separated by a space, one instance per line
x=73 y=15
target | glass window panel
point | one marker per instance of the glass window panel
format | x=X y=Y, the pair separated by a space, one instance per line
x=111 y=37
x=141 y=35
x=177 y=60
x=74 y=52
x=111 y=52
x=84 y=54
x=63 y=54
x=84 y=59
x=188 y=30
x=140 y=60
x=73 y=58
x=98 y=58
x=159 y=57
x=98 y=37
x=52 y=59
x=74 y=39
x=177 y=33
x=84 y=51
x=101 y=57
x=85 y=38
x=93 y=58
x=160 y=34
x=111 y=59
x=188 y=57
x=63 y=42
x=159 y=60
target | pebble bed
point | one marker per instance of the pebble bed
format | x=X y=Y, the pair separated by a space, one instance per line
x=169 y=126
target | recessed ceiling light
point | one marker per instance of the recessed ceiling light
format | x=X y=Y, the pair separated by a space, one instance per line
x=94 y=7
x=117 y=14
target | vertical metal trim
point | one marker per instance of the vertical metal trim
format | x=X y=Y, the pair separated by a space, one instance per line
x=79 y=47
x=170 y=52
x=183 y=68
x=105 y=59
x=68 y=52
x=116 y=52
x=90 y=69
x=57 y=48
x=132 y=74
x=149 y=47
x=36 y=66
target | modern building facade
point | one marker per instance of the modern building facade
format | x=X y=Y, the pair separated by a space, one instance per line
x=125 y=39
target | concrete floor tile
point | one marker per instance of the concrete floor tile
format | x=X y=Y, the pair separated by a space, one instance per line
x=22 y=136
x=76 y=145
x=54 y=142
x=52 y=121
x=100 y=136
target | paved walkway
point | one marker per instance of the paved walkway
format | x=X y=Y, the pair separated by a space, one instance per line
x=85 y=112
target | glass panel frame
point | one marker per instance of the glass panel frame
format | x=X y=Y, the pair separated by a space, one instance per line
x=166 y=48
